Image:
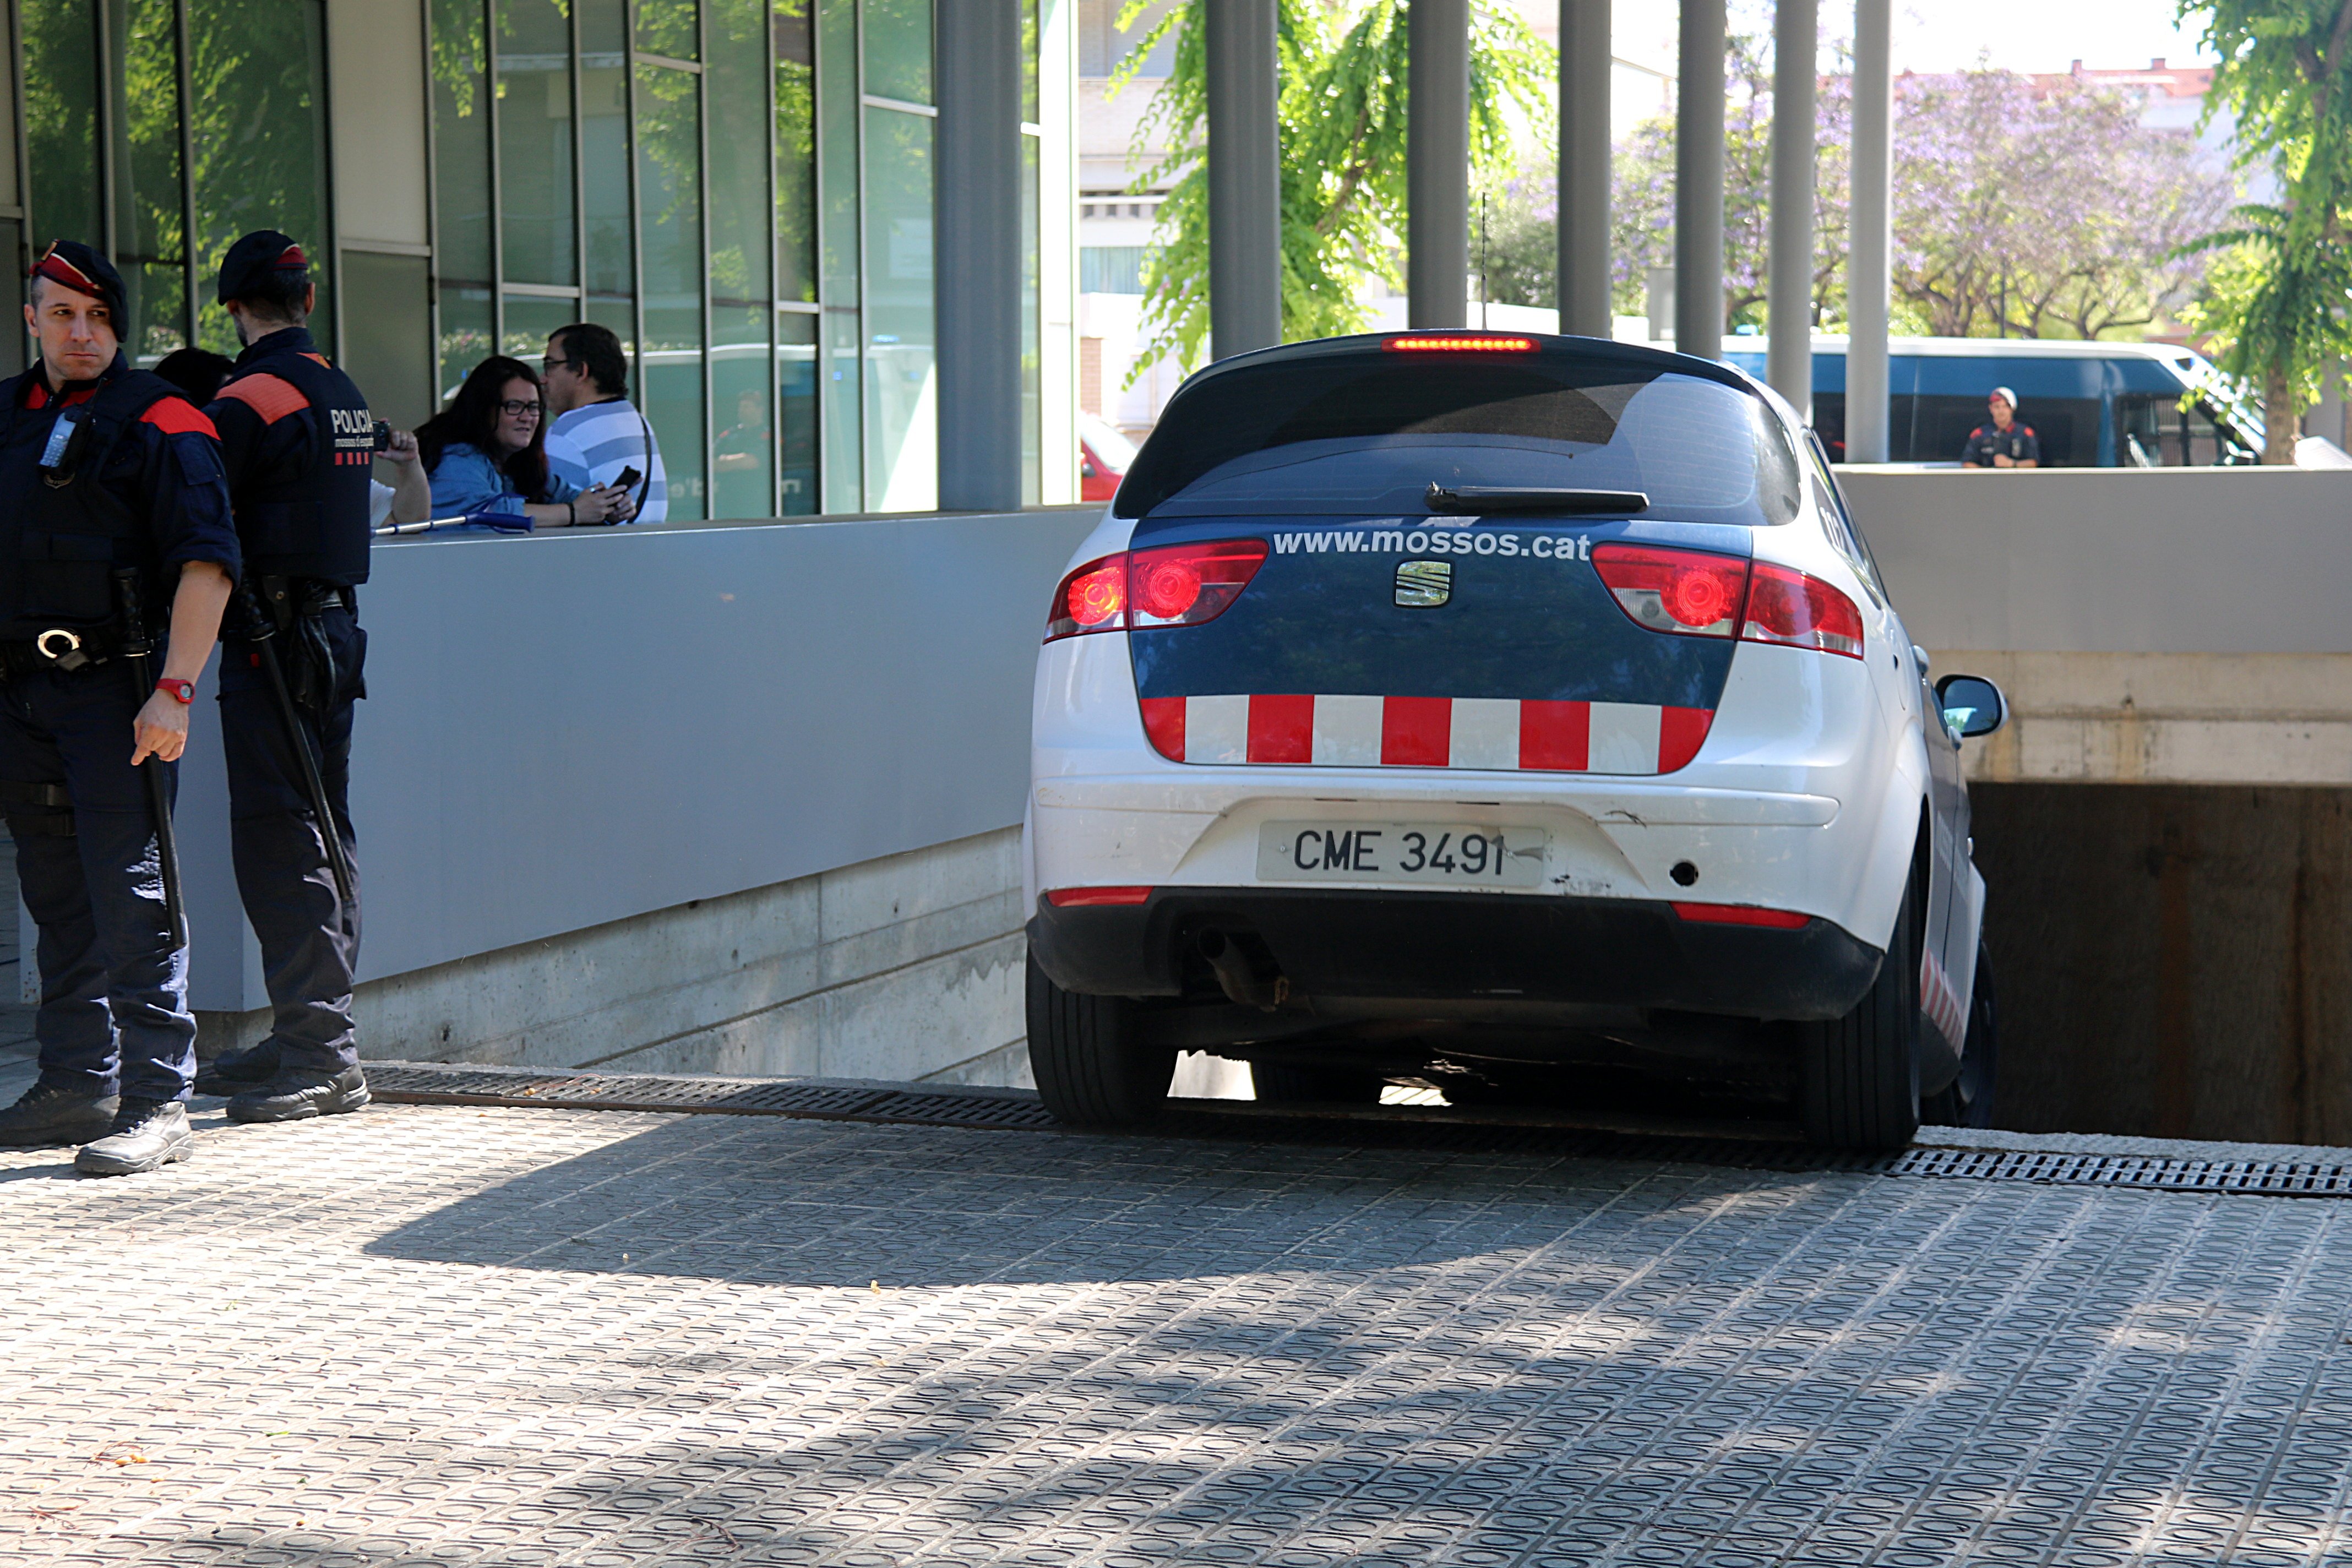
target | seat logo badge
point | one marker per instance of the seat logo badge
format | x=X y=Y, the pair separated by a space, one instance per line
x=1423 y=584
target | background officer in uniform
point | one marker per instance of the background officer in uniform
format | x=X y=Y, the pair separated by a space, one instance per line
x=102 y=467
x=2004 y=444
x=299 y=443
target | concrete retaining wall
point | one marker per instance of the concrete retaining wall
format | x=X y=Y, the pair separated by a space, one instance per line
x=908 y=967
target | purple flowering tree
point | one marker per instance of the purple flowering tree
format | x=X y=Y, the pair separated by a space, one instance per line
x=2018 y=212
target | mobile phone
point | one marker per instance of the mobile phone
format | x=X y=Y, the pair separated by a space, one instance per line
x=383 y=435
x=625 y=479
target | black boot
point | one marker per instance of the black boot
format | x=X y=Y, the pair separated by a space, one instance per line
x=299 y=1094
x=148 y=1135
x=50 y=1115
x=234 y=1072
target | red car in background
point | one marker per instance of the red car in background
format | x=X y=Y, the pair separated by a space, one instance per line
x=1104 y=457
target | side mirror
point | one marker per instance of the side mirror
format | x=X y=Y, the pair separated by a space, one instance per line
x=1971 y=704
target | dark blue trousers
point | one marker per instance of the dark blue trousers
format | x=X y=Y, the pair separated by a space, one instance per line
x=309 y=937
x=114 y=991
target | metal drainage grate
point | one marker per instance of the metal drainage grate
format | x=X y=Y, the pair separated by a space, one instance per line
x=2270 y=1178
x=1414 y=1128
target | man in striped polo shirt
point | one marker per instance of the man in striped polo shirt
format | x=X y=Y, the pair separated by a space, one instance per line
x=596 y=432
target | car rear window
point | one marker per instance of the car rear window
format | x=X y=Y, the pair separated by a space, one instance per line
x=1373 y=429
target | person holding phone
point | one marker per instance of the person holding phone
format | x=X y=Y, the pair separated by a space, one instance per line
x=595 y=432
x=487 y=453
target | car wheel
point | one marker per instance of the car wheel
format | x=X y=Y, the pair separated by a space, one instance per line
x=1281 y=1083
x=1859 y=1075
x=1969 y=1102
x=1090 y=1066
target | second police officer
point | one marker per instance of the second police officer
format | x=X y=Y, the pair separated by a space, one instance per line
x=298 y=441
x=111 y=506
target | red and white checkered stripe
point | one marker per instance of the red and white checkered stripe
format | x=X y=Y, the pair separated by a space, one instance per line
x=1940 y=1000
x=1427 y=733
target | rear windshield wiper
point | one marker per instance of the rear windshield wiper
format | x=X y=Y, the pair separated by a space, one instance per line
x=1468 y=500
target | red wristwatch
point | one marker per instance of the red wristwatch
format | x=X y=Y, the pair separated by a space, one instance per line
x=181 y=692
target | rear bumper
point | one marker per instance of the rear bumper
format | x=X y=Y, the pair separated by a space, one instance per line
x=1338 y=942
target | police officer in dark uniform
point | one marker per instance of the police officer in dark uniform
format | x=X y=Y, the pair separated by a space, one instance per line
x=2005 y=443
x=111 y=486
x=298 y=440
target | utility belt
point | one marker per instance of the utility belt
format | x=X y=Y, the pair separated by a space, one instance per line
x=286 y=600
x=293 y=607
x=59 y=647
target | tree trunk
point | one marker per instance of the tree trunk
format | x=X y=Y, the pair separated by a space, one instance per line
x=2282 y=418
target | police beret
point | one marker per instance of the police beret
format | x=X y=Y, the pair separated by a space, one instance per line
x=252 y=260
x=84 y=271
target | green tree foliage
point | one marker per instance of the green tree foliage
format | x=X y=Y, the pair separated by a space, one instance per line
x=2280 y=306
x=1342 y=118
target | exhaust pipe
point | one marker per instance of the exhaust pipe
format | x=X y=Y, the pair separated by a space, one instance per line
x=1236 y=979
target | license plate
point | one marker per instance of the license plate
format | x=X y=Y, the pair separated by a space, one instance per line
x=1420 y=854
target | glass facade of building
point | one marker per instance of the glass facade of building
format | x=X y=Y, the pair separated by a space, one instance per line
x=741 y=189
x=159 y=131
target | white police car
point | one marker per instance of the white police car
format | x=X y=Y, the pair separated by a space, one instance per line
x=1483 y=711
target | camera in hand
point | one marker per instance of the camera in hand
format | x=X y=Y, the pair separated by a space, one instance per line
x=383 y=435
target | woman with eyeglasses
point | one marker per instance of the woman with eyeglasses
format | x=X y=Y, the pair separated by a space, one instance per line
x=487 y=453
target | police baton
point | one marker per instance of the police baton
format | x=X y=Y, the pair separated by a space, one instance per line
x=135 y=651
x=262 y=632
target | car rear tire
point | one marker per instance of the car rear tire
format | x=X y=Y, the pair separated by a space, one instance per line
x=1859 y=1075
x=1090 y=1067
x=1969 y=1102
x=1281 y=1083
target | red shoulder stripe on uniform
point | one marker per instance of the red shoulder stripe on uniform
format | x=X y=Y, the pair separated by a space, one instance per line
x=267 y=396
x=178 y=416
x=2027 y=428
x=319 y=358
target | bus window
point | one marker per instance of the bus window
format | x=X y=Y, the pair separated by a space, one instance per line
x=2152 y=432
x=2066 y=427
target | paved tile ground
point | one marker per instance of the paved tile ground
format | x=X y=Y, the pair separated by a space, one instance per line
x=447 y=1335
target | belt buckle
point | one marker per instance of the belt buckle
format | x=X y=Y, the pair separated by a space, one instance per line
x=70 y=658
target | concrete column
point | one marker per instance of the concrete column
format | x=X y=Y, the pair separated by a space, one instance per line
x=1871 y=239
x=1698 y=180
x=1796 y=32
x=1437 y=164
x=1245 y=179
x=978 y=280
x=1585 y=168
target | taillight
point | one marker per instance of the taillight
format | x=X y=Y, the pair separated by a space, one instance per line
x=1788 y=607
x=1693 y=594
x=1169 y=585
x=1681 y=591
x=1090 y=599
x=1184 y=584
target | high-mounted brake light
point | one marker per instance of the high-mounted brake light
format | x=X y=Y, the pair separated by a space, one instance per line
x=1459 y=344
x=1168 y=585
x=1692 y=593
